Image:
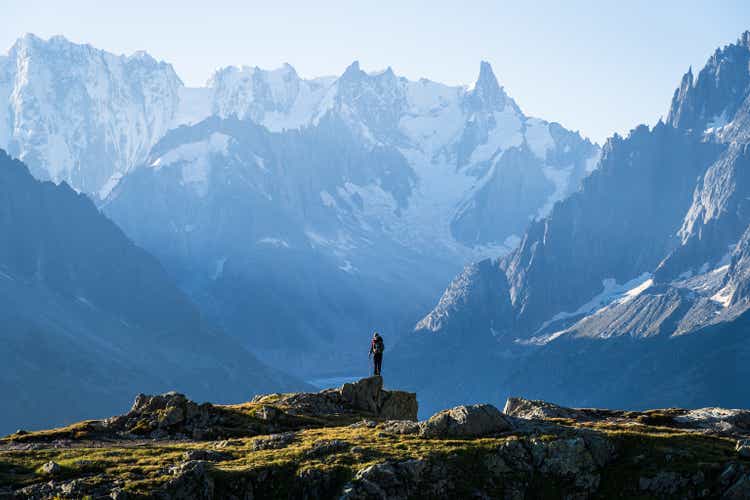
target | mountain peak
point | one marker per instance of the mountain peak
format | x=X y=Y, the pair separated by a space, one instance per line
x=487 y=92
x=352 y=69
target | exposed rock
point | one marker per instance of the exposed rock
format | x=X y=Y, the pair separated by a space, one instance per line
x=743 y=448
x=532 y=409
x=206 y=455
x=663 y=483
x=720 y=420
x=327 y=447
x=364 y=396
x=269 y=413
x=364 y=423
x=401 y=427
x=51 y=468
x=465 y=421
x=390 y=480
x=166 y=415
x=191 y=481
x=274 y=441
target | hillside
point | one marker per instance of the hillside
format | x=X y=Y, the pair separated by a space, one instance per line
x=345 y=443
x=88 y=318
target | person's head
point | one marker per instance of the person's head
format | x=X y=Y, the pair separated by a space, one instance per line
x=376 y=335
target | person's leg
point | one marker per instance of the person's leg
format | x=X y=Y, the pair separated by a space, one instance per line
x=378 y=363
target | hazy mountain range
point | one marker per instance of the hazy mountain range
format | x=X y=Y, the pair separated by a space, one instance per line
x=297 y=213
x=291 y=217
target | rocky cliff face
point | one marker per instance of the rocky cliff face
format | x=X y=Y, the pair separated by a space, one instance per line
x=78 y=114
x=637 y=269
x=333 y=445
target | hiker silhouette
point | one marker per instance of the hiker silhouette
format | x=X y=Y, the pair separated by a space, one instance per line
x=377 y=346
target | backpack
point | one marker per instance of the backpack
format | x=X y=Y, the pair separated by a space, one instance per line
x=379 y=347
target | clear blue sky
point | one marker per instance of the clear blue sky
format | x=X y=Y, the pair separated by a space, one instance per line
x=598 y=67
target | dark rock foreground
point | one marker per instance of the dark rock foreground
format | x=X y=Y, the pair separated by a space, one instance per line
x=361 y=441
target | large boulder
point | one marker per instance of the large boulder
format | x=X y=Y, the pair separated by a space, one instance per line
x=533 y=409
x=365 y=396
x=465 y=421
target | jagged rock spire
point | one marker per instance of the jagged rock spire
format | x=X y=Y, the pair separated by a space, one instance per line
x=487 y=92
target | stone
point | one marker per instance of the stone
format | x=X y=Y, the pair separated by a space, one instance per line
x=191 y=481
x=51 y=468
x=743 y=448
x=720 y=420
x=206 y=455
x=327 y=447
x=398 y=405
x=365 y=394
x=663 y=483
x=364 y=423
x=269 y=413
x=274 y=441
x=533 y=409
x=465 y=421
x=400 y=427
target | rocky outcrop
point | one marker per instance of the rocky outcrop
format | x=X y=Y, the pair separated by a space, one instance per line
x=465 y=421
x=535 y=450
x=572 y=469
x=366 y=397
x=525 y=408
x=169 y=414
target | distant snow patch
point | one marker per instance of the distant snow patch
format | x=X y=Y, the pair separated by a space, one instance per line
x=110 y=185
x=275 y=242
x=560 y=178
x=538 y=137
x=612 y=292
x=347 y=267
x=327 y=199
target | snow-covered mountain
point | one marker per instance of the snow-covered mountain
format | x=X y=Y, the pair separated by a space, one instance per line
x=375 y=187
x=380 y=193
x=81 y=115
x=88 y=117
x=633 y=289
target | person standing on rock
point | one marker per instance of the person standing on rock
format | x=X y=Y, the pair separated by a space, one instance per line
x=376 y=353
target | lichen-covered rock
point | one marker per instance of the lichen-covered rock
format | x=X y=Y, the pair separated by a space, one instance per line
x=567 y=460
x=274 y=441
x=166 y=415
x=206 y=455
x=51 y=468
x=191 y=481
x=400 y=427
x=326 y=447
x=721 y=420
x=534 y=409
x=390 y=480
x=465 y=421
x=365 y=396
